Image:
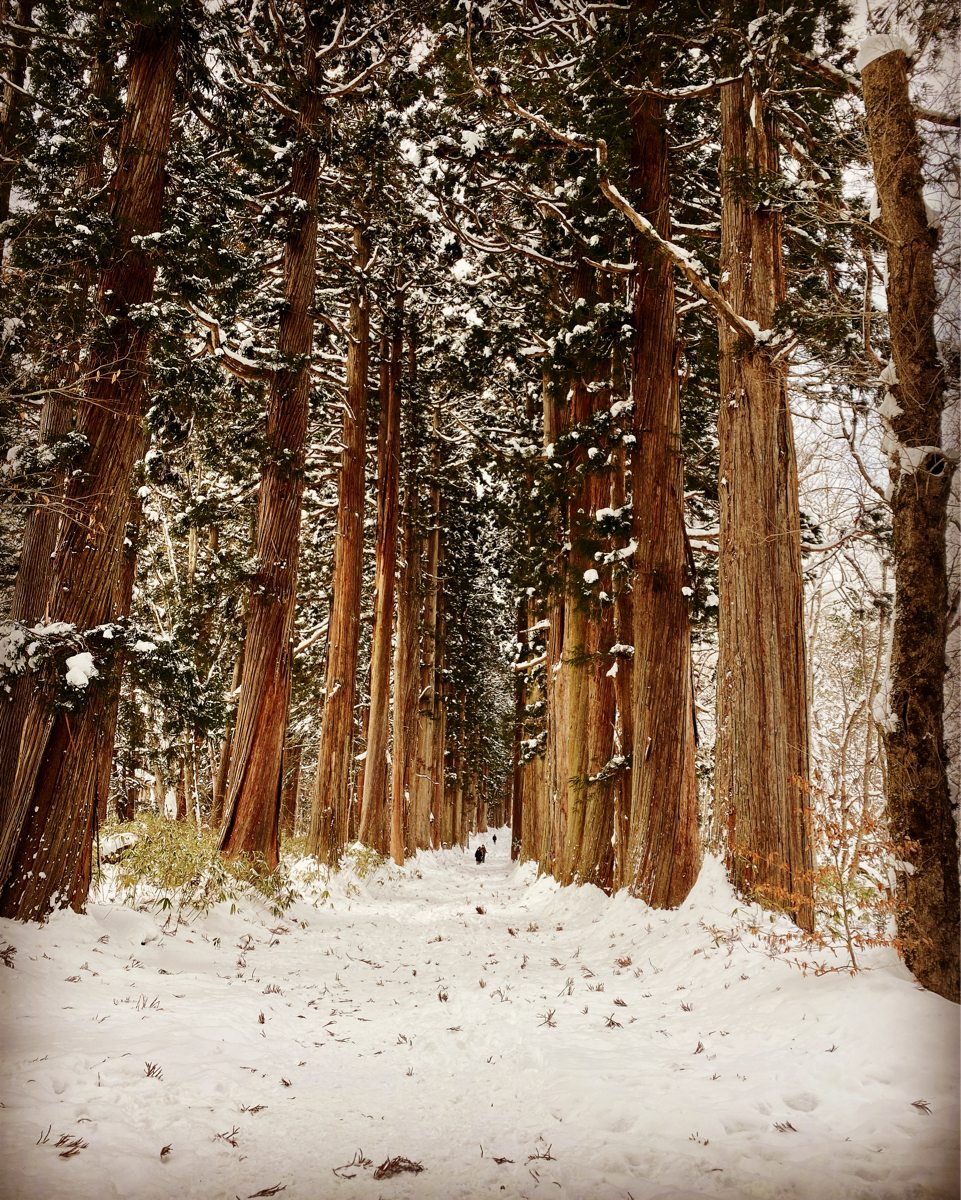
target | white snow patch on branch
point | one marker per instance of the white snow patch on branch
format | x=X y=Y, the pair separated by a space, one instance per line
x=80 y=669
x=889 y=375
x=913 y=456
x=880 y=44
x=889 y=408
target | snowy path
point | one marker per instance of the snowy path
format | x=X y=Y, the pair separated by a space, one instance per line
x=377 y=1036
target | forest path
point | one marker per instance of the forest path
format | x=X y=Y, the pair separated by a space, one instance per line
x=611 y=1052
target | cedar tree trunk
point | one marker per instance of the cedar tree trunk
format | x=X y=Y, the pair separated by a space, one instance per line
x=595 y=862
x=374 y=819
x=291 y=789
x=223 y=765
x=663 y=852
x=421 y=834
x=918 y=798
x=331 y=799
x=406 y=657
x=570 y=687
x=46 y=848
x=517 y=766
x=762 y=714
x=252 y=805
x=624 y=680
x=436 y=726
x=35 y=571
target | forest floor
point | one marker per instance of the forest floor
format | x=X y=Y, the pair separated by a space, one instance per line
x=533 y=1042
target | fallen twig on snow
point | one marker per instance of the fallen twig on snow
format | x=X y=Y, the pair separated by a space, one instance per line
x=397 y=1166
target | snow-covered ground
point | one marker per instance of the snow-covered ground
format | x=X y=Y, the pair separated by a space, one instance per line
x=510 y=1036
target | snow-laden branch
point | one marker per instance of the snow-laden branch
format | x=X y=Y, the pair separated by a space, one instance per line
x=612 y=268
x=247 y=369
x=334 y=42
x=312 y=638
x=688 y=93
x=356 y=85
x=7 y=82
x=953 y=120
x=264 y=91
x=530 y=664
x=704 y=541
x=690 y=266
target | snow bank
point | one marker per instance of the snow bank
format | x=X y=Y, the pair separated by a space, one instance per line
x=516 y=1038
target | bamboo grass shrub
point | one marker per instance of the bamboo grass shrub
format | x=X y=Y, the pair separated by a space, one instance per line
x=177 y=867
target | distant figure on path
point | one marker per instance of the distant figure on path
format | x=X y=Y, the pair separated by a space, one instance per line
x=480 y=853
x=493 y=837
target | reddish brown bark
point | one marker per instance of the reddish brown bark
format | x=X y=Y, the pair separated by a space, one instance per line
x=535 y=823
x=535 y=814
x=45 y=856
x=456 y=787
x=534 y=829
x=291 y=790
x=572 y=685
x=425 y=778
x=107 y=732
x=624 y=679
x=360 y=765
x=663 y=852
x=30 y=598
x=480 y=820
x=554 y=829
x=223 y=765
x=592 y=855
x=406 y=656
x=762 y=742
x=917 y=791
x=181 y=794
x=434 y=728
x=517 y=765
x=595 y=862
x=35 y=571
x=329 y=813
x=374 y=823
x=252 y=806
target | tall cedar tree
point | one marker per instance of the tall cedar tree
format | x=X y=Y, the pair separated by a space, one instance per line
x=45 y=856
x=375 y=821
x=406 y=656
x=661 y=861
x=34 y=574
x=327 y=835
x=761 y=760
x=424 y=735
x=918 y=796
x=252 y=807
x=663 y=855
x=569 y=693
